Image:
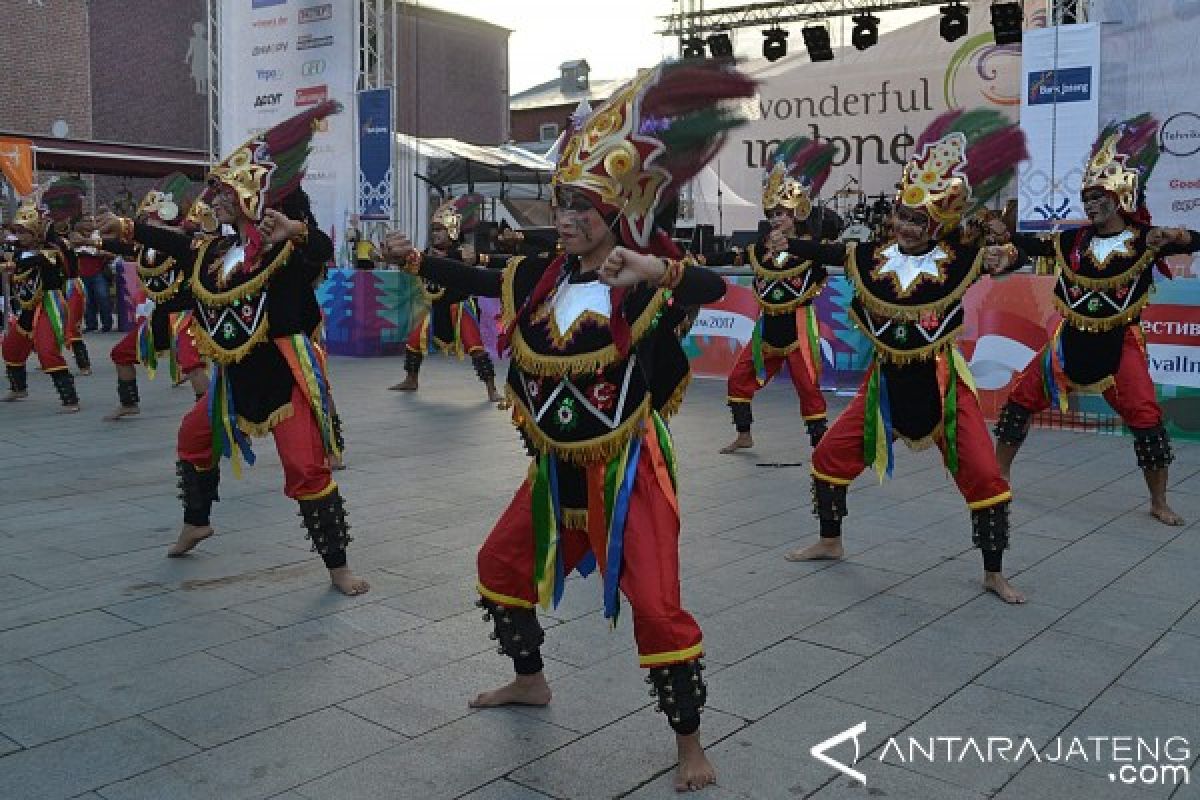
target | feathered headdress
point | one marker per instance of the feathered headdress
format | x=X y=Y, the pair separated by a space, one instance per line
x=1122 y=159
x=29 y=217
x=635 y=152
x=795 y=175
x=170 y=201
x=63 y=199
x=962 y=160
x=271 y=166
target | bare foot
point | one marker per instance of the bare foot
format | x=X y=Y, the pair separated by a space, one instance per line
x=504 y=405
x=998 y=585
x=189 y=537
x=827 y=548
x=694 y=772
x=122 y=411
x=525 y=690
x=1164 y=514
x=72 y=409
x=13 y=397
x=495 y=397
x=409 y=384
x=336 y=463
x=347 y=582
x=742 y=442
x=84 y=371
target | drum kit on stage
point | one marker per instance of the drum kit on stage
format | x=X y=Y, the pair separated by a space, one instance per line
x=866 y=216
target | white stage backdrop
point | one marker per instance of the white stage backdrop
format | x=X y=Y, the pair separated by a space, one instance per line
x=279 y=57
x=1151 y=57
x=873 y=104
x=1060 y=112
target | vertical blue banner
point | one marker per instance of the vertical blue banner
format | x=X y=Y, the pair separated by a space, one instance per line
x=375 y=154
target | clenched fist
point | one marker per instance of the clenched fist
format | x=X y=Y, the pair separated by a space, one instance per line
x=623 y=267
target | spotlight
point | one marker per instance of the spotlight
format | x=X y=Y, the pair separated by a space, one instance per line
x=775 y=43
x=1007 y=21
x=866 y=31
x=693 y=47
x=816 y=41
x=954 y=21
x=720 y=45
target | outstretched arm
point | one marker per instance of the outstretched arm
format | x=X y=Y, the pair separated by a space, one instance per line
x=1173 y=241
x=173 y=243
x=452 y=274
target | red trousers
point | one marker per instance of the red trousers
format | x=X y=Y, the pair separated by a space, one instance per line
x=468 y=328
x=76 y=302
x=1131 y=395
x=839 y=457
x=665 y=633
x=306 y=472
x=743 y=384
x=18 y=344
x=125 y=352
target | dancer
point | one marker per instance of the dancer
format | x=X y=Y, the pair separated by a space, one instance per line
x=1104 y=273
x=908 y=302
x=595 y=367
x=167 y=328
x=39 y=316
x=63 y=200
x=249 y=291
x=785 y=287
x=452 y=324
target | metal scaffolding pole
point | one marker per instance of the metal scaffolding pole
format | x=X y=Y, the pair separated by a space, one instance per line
x=213 y=21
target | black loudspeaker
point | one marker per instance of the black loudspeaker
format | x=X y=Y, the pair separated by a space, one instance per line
x=702 y=238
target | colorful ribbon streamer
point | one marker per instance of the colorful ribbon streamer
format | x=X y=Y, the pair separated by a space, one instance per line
x=308 y=369
x=147 y=353
x=756 y=353
x=877 y=424
x=1053 y=375
x=227 y=439
x=55 y=308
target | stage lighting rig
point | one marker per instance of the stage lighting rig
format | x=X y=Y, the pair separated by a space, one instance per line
x=1007 y=21
x=693 y=47
x=866 y=31
x=774 y=43
x=955 y=17
x=816 y=41
x=720 y=45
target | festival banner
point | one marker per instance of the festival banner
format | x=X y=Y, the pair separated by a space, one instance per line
x=1150 y=60
x=278 y=58
x=16 y=163
x=1060 y=113
x=375 y=154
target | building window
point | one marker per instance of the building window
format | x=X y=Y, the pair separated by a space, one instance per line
x=547 y=131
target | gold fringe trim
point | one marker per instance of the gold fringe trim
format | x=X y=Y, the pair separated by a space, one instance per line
x=908 y=313
x=766 y=272
x=1093 y=325
x=146 y=271
x=576 y=518
x=508 y=300
x=208 y=347
x=780 y=352
x=902 y=357
x=1128 y=276
x=925 y=442
x=431 y=297
x=1099 y=387
x=594 y=361
x=165 y=294
x=252 y=286
x=277 y=416
x=672 y=404
x=597 y=450
x=792 y=305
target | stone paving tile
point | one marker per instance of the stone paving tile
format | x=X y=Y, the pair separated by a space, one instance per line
x=230 y=713
x=264 y=763
x=301 y=694
x=72 y=766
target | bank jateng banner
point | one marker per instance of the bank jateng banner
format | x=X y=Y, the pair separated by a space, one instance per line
x=1060 y=112
x=375 y=154
x=279 y=57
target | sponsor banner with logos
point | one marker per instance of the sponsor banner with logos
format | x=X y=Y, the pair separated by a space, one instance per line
x=872 y=104
x=278 y=58
x=1151 y=60
x=375 y=154
x=1060 y=114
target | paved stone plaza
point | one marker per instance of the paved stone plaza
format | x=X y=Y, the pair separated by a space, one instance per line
x=237 y=673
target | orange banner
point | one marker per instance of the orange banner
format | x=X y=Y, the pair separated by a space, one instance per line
x=16 y=162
